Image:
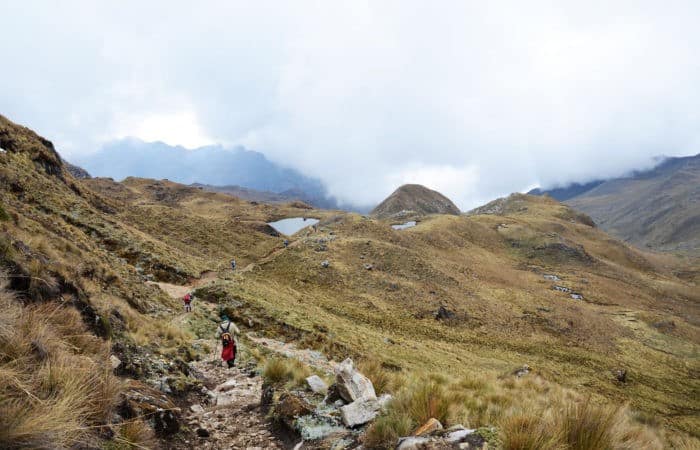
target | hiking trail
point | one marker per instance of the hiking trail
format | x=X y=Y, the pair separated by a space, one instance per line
x=230 y=416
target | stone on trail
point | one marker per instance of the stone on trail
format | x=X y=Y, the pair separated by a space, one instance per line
x=227 y=386
x=352 y=385
x=197 y=409
x=316 y=384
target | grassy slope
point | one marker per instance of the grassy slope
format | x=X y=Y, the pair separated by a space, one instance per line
x=507 y=315
x=95 y=234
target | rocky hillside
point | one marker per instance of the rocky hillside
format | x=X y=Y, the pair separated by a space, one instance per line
x=657 y=209
x=520 y=321
x=414 y=200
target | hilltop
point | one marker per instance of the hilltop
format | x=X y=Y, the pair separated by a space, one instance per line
x=657 y=209
x=413 y=199
x=443 y=316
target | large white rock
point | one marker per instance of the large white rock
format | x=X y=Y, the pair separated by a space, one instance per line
x=224 y=399
x=359 y=412
x=352 y=385
x=316 y=384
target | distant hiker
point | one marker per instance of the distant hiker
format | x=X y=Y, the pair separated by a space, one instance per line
x=233 y=264
x=286 y=243
x=226 y=332
x=315 y=227
x=187 y=299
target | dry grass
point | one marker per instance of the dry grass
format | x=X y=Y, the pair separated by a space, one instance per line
x=56 y=383
x=530 y=414
x=289 y=371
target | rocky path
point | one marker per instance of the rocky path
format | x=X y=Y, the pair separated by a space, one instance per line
x=230 y=416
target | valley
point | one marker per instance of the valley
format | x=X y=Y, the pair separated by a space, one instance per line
x=458 y=303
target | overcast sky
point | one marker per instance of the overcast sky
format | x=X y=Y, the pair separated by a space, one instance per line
x=473 y=98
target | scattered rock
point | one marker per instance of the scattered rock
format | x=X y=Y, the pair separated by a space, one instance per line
x=620 y=375
x=325 y=264
x=227 y=386
x=290 y=407
x=551 y=277
x=351 y=384
x=561 y=289
x=576 y=296
x=522 y=371
x=444 y=314
x=428 y=427
x=458 y=438
x=316 y=384
x=197 y=409
x=412 y=443
x=368 y=266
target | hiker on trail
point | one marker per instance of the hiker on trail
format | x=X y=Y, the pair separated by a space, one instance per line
x=286 y=243
x=233 y=264
x=187 y=300
x=226 y=332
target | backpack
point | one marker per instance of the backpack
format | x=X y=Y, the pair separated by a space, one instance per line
x=188 y=299
x=226 y=338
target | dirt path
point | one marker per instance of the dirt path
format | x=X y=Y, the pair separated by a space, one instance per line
x=230 y=417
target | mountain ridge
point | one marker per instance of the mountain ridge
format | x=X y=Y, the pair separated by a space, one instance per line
x=657 y=208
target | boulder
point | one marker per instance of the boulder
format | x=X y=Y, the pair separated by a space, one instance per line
x=522 y=371
x=325 y=264
x=359 y=412
x=351 y=384
x=316 y=384
x=458 y=438
x=428 y=427
x=444 y=314
x=362 y=411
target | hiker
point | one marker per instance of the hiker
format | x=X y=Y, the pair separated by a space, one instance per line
x=233 y=264
x=286 y=243
x=226 y=332
x=187 y=299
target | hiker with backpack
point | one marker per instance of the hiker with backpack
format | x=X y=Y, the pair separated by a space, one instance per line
x=187 y=300
x=233 y=264
x=226 y=333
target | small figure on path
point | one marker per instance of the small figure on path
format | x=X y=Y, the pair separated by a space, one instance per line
x=233 y=264
x=187 y=300
x=286 y=243
x=226 y=332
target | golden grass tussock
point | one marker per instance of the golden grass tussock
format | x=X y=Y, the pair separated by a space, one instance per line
x=56 y=384
x=529 y=414
x=286 y=371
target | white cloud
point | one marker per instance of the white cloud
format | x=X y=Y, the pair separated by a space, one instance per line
x=363 y=94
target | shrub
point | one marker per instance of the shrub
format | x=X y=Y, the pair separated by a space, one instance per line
x=276 y=370
x=530 y=432
x=587 y=426
x=56 y=383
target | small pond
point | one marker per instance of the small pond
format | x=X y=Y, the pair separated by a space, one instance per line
x=403 y=226
x=292 y=225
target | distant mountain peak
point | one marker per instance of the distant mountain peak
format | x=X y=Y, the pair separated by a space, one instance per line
x=414 y=199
